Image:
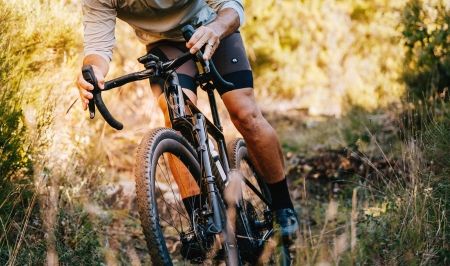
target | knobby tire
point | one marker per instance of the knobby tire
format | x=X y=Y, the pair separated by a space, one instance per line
x=162 y=212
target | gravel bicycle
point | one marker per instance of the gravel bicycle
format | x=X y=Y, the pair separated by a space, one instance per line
x=230 y=221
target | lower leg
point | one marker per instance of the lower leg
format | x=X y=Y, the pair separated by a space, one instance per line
x=263 y=148
x=266 y=152
x=262 y=143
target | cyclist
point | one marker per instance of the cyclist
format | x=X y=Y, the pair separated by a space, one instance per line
x=157 y=24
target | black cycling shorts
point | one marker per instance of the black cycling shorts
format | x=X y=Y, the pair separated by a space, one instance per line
x=230 y=59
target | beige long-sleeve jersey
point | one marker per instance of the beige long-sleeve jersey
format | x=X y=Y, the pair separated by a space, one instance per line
x=152 y=20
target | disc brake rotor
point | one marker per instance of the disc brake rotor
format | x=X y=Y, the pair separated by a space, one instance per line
x=206 y=237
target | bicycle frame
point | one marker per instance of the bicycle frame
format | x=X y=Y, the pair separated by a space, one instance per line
x=178 y=102
x=203 y=126
x=197 y=123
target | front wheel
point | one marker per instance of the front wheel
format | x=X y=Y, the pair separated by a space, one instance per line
x=162 y=155
x=177 y=231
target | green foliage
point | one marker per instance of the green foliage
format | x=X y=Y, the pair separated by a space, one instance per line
x=11 y=125
x=12 y=129
x=438 y=144
x=415 y=229
x=427 y=63
x=15 y=192
x=35 y=41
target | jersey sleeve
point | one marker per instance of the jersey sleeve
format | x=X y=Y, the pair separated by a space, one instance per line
x=218 y=5
x=99 y=22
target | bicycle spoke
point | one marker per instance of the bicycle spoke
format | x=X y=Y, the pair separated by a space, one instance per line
x=168 y=206
x=248 y=194
x=171 y=186
x=165 y=173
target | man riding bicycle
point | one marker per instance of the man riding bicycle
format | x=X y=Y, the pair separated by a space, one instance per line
x=157 y=24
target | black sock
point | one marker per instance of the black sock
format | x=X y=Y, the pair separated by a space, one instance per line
x=280 y=195
x=191 y=203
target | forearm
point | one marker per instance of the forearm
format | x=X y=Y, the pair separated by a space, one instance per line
x=226 y=23
x=98 y=61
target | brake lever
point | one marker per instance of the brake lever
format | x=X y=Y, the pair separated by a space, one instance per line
x=204 y=63
x=188 y=31
x=89 y=76
x=208 y=65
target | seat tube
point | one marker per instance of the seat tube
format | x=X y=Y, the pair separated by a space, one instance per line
x=175 y=100
x=216 y=119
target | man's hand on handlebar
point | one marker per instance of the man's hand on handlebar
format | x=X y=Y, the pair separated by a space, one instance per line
x=204 y=36
x=226 y=22
x=85 y=87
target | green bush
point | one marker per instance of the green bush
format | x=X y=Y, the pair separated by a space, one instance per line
x=77 y=238
x=427 y=63
x=414 y=230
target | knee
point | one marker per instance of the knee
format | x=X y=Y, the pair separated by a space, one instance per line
x=246 y=119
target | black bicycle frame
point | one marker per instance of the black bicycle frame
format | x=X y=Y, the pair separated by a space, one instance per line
x=178 y=107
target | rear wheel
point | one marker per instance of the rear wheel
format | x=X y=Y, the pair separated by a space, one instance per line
x=253 y=221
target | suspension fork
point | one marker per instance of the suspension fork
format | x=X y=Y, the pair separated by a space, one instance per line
x=214 y=208
x=178 y=115
x=211 y=189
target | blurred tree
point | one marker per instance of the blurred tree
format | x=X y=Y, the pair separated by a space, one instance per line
x=324 y=54
x=426 y=31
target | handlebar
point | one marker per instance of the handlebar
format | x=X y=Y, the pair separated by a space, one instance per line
x=89 y=76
